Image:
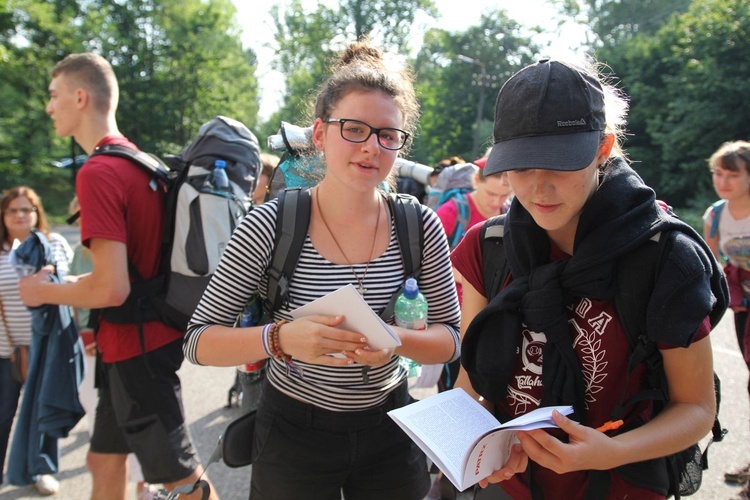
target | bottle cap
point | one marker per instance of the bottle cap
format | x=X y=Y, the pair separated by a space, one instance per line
x=411 y=289
x=220 y=163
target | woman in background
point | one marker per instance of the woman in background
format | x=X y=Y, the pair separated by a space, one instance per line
x=727 y=232
x=22 y=211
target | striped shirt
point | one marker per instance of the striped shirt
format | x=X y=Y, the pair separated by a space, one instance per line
x=242 y=271
x=17 y=315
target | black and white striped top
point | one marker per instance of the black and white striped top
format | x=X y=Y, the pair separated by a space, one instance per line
x=350 y=388
x=16 y=314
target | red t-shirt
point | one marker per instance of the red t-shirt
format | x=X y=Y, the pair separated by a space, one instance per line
x=118 y=203
x=602 y=348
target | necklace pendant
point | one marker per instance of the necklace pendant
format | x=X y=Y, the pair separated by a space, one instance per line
x=362 y=290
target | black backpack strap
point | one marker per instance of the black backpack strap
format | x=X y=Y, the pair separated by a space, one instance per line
x=157 y=168
x=407 y=217
x=161 y=173
x=636 y=276
x=494 y=261
x=292 y=222
x=407 y=213
x=717 y=431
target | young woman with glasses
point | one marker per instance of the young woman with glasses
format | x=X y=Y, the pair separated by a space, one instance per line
x=22 y=212
x=322 y=428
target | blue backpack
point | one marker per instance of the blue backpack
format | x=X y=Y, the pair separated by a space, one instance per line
x=454 y=183
x=716 y=209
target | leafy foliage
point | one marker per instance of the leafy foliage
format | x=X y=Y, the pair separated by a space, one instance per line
x=179 y=63
x=615 y=22
x=307 y=40
x=687 y=84
x=451 y=90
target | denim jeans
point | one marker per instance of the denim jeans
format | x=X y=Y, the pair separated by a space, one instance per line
x=10 y=390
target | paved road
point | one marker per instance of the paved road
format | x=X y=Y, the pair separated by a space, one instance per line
x=205 y=394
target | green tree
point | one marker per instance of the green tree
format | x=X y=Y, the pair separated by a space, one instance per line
x=450 y=90
x=33 y=35
x=687 y=84
x=307 y=40
x=613 y=22
x=178 y=62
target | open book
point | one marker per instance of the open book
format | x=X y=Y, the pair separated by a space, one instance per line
x=462 y=438
x=358 y=316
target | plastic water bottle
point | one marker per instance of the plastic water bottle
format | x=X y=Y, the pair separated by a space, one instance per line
x=411 y=312
x=411 y=307
x=250 y=374
x=220 y=178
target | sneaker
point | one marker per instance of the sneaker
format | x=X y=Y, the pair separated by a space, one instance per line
x=47 y=485
x=739 y=476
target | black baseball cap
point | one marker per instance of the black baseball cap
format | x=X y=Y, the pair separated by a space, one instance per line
x=548 y=115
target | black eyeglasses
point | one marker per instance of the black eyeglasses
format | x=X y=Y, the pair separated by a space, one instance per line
x=357 y=131
x=20 y=211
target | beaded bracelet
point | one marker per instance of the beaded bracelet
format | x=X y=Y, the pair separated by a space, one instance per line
x=272 y=340
x=275 y=344
x=272 y=345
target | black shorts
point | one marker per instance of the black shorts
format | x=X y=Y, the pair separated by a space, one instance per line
x=140 y=411
x=302 y=451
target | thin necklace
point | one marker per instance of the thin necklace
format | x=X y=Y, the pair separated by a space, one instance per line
x=361 y=288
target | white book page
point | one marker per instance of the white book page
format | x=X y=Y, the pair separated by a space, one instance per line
x=447 y=425
x=465 y=440
x=493 y=450
x=358 y=316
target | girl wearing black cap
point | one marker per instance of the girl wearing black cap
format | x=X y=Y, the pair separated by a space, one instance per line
x=553 y=335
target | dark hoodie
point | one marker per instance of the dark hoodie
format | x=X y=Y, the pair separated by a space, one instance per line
x=620 y=216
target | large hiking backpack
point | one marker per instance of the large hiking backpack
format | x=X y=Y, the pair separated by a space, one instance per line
x=454 y=183
x=299 y=165
x=451 y=181
x=199 y=219
x=636 y=275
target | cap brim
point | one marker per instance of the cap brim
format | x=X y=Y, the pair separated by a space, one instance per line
x=567 y=152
